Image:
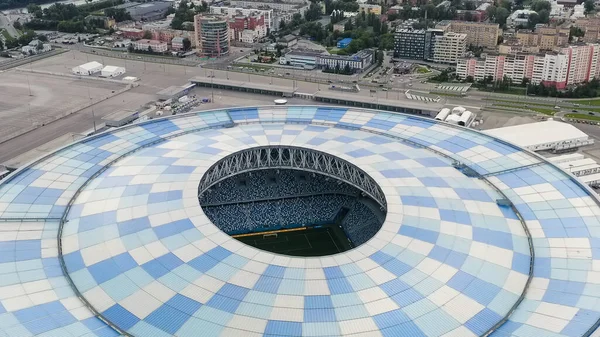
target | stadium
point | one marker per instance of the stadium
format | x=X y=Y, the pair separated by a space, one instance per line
x=297 y=221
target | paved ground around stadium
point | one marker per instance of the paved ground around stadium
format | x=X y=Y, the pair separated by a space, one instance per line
x=51 y=97
x=14 y=152
x=154 y=77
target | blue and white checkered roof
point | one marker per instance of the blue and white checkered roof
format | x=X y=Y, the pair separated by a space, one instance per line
x=143 y=259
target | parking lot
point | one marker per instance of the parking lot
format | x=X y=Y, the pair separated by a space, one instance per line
x=28 y=100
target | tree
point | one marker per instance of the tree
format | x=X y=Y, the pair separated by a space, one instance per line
x=17 y=25
x=313 y=13
x=544 y=16
x=347 y=69
x=150 y=49
x=575 y=32
x=379 y=57
x=501 y=16
x=203 y=7
x=130 y=48
x=589 y=6
x=1 y=44
x=39 y=46
x=147 y=35
x=533 y=20
x=187 y=44
x=282 y=25
x=539 y=5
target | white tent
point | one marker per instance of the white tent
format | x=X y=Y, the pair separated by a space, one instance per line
x=88 y=68
x=548 y=135
x=112 y=71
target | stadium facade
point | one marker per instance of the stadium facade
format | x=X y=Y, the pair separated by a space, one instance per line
x=106 y=236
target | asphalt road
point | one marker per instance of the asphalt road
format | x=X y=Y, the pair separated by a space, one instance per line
x=6 y=24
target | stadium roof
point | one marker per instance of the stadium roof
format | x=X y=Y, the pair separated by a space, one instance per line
x=448 y=261
x=532 y=134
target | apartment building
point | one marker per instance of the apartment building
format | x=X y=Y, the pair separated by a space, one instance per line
x=570 y=65
x=368 y=9
x=480 y=34
x=546 y=38
x=232 y=12
x=150 y=45
x=247 y=29
x=591 y=28
x=449 y=47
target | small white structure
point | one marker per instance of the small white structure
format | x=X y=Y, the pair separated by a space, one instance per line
x=280 y=101
x=130 y=79
x=35 y=47
x=458 y=110
x=548 y=135
x=88 y=68
x=453 y=119
x=112 y=71
x=465 y=118
x=443 y=114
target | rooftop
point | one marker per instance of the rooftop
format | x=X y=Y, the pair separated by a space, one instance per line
x=527 y=135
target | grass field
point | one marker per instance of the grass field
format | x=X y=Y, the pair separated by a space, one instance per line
x=526 y=102
x=583 y=116
x=545 y=111
x=304 y=241
x=587 y=101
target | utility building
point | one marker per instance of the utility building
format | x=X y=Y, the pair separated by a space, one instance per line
x=87 y=69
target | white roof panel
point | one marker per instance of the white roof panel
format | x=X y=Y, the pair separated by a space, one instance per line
x=111 y=68
x=538 y=133
x=91 y=65
x=566 y=158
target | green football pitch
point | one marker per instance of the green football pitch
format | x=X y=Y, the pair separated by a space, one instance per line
x=324 y=240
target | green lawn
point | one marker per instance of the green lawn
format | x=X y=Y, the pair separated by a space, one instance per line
x=585 y=109
x=583 y=116
x=587 y=102
x=544 y=111
x=423 y=70
x=512 y=90
x=527 y=102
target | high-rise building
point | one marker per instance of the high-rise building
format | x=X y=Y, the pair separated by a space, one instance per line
x=431 y=45
x=409 y=44
x=480 y=34
x=449 y=47
x=430 y=41
x=212 y=35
